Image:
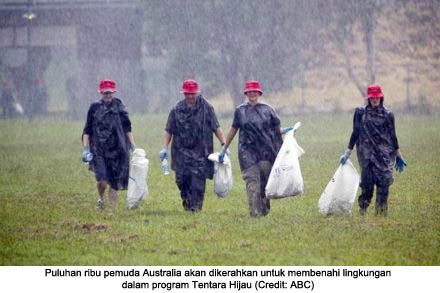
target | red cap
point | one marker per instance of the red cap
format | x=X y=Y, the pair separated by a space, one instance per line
x=190 y=87
x=374 y=92
x=253 y=86
x=107 y=85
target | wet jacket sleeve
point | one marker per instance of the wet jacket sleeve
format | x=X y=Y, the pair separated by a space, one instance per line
x=125 y=120
x=171 y=123
x=275 y=119
x=236 y=122
x=357 y=122
x=393 y=131
x=214 y=122
x=88 y=128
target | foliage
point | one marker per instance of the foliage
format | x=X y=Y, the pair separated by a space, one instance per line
x=225 y=43
x=47 y=202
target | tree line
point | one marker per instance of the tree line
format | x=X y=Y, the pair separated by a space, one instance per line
x=222 y=43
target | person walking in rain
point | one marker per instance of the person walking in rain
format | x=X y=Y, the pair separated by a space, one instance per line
x=191 y=124
x=7 y=101
x=107 y=139
x=259 y=142
x=374 y=135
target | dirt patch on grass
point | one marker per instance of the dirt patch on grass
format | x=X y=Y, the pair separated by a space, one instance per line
x=117 y=238
x=189 y=226
x=245 y=244
x=178 y=251
x=92 y=227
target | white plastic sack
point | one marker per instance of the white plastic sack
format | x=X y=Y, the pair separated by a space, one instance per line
x=338 y=197
x=222 y=175
x=18 y=108
x=137 y=181
x=285 y=178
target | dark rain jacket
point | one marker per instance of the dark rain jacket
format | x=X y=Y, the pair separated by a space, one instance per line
x=108 y=125
x=374 y=135
x=7 y=103
x=260 y=137
x=192 y=137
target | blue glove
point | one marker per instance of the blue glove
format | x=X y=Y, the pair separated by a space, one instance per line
x=343 y=159
x=400 y=164
x=221 y=157
x=87 y=156
x=163 y=154
x=132 y=147
x=287 y=129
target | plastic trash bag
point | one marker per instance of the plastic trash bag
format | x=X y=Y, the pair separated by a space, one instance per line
x=18 y=108
x=222 y=175
x=137 y=181
x=285 y=178
x=339 y=194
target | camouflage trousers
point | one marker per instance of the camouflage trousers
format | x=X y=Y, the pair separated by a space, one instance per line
x=256 y=178
x=192 y=189
x=371 y=176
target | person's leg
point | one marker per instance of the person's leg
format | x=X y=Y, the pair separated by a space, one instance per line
x=367 y=186
x=197 y=193
x=113 y=198
x=382 y=200
x=101 y=185
x=182 y=182
x=265 y=168
x=99 y=168
x=383 y=182
x=253 y=188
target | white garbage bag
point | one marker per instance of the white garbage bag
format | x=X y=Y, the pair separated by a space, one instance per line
x=18 y=108
x=285 y=178
x=338 y=197
x=137 y=181
x=222 y=175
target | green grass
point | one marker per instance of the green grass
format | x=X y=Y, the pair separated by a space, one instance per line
x=47 y=201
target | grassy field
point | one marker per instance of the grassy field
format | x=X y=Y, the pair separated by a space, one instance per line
x=47 y=205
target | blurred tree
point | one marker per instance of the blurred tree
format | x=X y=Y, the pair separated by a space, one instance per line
x=417 y=44
x=225 y=43
x=345 y=19
x=422 y=27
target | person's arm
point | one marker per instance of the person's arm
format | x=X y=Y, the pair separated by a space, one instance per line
x=86 y=154
x=394 y=140
x=126 y=124
x=166 y=139
x=230 y=137
x=356 y=128
x=284 y=130
x=400 y=161
x=131 y=140
x=353 y=138
x=88 y=129
x=219 y=134
x=163 y=154
x=86 y=140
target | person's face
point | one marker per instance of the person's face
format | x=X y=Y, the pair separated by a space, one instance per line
x=253 y=96
x=107 y=96
x=374 y=102
x=190 y=99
